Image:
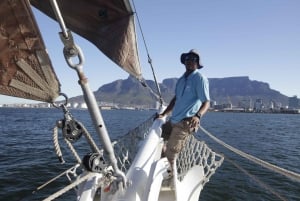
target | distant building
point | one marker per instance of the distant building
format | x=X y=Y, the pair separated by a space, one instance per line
x=245 y=104
x=258 y=105
x=222 y=106
x=294 y=102
x=83 y=106
x=75 y=105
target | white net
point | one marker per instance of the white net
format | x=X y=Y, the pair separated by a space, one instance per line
x=195 y=152
x=127 y=146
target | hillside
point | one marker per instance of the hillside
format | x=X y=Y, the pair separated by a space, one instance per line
x=236 y=89
x=130 y=92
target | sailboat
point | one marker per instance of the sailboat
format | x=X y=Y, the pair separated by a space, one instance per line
x=131 y=168
x=109 y=172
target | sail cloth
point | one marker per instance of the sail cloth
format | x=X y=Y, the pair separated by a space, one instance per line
x=25 y=68
x=109 y=25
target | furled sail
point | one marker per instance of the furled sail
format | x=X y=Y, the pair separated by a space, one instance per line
x=107 y=24
x=25 y=68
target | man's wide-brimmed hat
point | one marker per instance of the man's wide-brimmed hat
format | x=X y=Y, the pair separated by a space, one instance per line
x=191 y=52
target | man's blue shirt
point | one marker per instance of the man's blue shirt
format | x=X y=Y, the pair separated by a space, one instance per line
x=190 y=92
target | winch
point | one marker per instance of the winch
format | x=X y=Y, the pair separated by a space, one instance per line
x=94 y=162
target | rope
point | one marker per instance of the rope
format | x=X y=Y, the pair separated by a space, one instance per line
x=56 y=145
x=289 y=174
x=53 y=179
x=156 y=96
x=148 y=55
x=89 y=139
x=73 y=150
x=70 y=186
x=280 y=197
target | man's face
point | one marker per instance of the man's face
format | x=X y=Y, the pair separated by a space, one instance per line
x=191 y=62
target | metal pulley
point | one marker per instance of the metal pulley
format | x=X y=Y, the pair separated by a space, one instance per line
x=72 y=130
x=94 y=162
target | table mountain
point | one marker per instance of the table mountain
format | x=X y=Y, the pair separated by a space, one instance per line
x=130 y=92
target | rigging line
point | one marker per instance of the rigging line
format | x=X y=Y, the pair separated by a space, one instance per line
x=70 y=186
x=55 y=178
x=256 y=179
x=291 y=175
x=148 y=55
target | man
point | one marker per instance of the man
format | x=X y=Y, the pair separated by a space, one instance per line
x=190 y=103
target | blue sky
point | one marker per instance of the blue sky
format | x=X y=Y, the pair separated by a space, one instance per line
x=255 y=38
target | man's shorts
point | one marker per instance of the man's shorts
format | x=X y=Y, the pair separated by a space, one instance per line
x=176 y=136
x=166 y=130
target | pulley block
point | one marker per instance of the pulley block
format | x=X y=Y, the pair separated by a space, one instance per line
x=94 y=162
x=72 y=130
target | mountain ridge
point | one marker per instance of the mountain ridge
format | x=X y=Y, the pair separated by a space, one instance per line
x=129 y=92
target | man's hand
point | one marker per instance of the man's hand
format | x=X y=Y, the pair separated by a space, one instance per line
x=158 y=116
x=195 y=123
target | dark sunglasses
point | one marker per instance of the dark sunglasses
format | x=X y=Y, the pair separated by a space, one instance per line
x=191 y=58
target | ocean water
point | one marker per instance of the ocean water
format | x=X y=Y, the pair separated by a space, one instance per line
x=27 y=158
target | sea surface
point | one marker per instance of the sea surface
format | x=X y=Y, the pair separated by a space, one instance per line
x=27 y=158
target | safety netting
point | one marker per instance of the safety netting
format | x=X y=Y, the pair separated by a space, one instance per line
x=195 y=152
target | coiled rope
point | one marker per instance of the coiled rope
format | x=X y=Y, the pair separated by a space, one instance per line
x=89 y=139
x=56 y=145
x=289 y=174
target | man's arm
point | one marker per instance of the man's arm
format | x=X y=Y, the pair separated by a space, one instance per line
x=196 y=119
x=169 y=108
x=204 y=108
